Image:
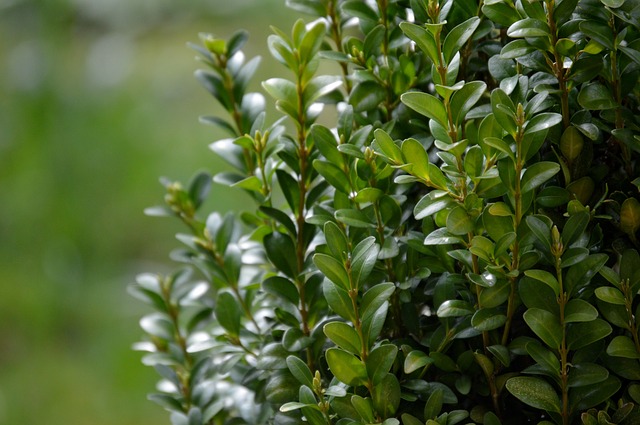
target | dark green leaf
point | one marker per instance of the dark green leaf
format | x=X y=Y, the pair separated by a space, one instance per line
x=578 y=310
x=623 y=346
x=545 y=325
x=228 y=313
x=582 y=334
x=281 y=287
x=281 y=252
x=583 y=374
x=529 y=27
x=583 y=398
x=535 y=392
x=596 y=96
x=366 y=96
x=537 y=174
x=599 y=32
x=487 y=319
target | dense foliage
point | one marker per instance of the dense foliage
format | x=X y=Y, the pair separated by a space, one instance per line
x=458 y=246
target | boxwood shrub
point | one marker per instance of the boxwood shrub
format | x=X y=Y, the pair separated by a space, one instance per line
x=443 y=228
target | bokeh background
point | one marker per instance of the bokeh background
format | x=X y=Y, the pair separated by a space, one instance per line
x=97 y=101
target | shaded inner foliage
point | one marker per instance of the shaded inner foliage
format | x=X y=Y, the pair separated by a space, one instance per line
x=460 y=246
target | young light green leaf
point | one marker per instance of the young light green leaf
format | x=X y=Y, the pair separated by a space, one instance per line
x=346 y=367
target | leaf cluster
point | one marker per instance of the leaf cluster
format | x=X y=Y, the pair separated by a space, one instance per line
x=458 y=246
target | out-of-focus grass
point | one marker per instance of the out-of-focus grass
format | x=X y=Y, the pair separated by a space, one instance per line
x=93 y=110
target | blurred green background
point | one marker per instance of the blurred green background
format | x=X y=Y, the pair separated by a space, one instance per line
x=97 y=101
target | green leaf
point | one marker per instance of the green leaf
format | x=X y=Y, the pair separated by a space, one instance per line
x=338 y=300
x=459 y=222
x=344 y=336
x=333 y=270
x=427 y=105
x=416 y=360
x=504 y=111
x=281 y=252
x=311 y=41
x=581 y=273
x=544 y=359
x=363 y=407
x=281 y=287
x=431 y=203
x=291 y=406
x=376 y=297
x=458 y=37
x=380 y=361
x=300 y=371
x=537 y=174
x=464 y=99
x=546 y=278
x=596 y=96
x=346 y=367
x=385 y=145
x=366 y=96
x=516 y=48
x=487 y=319
x=583 y=398
x=585 y=69
x=535 y=392
x=578 y=310
x=415 y=154
x=630 y=216
x=364 y=258
x=386 y=398
x=582 y=334
x=423 y=39
x=574 y=227
x=228 y=313
x=336 y=240
x=610 y=295
x=583 y=374
x=599 y=32
x=333 y=174
x=455 y=308
x=529 y=27
x=542 y=122
x=353 y=218
x=501 y=12
x=545 y=325
x=623 y=346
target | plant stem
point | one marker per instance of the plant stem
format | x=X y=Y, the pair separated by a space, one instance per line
x=558 y=65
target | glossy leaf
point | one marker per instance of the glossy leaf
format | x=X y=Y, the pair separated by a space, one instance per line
x=346 y=367
x=623 y=346
x=546 y=325
x=458 y=37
